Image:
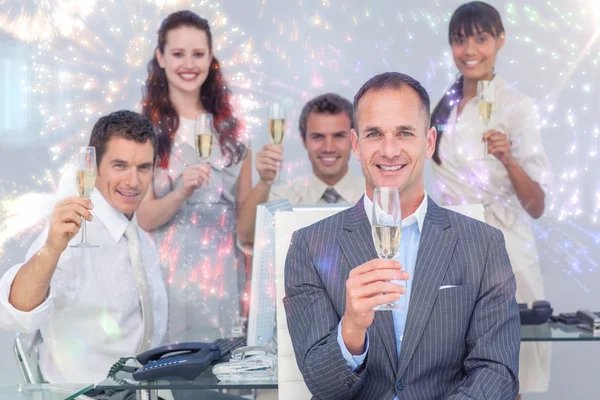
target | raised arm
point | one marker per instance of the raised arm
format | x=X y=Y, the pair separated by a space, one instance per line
x=155 y=212
x=494 y=336
x=32 y=282
x=521 y=151
x=266 y=165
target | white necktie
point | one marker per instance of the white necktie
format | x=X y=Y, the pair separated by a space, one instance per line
x=133 y=243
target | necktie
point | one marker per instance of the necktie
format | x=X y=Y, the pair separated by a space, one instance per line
x=331 y=196
x=133 y=243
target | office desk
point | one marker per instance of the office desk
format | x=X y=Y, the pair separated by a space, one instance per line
x=45 y=391
x=549 y=332
x=207 y=380
x=556 y=332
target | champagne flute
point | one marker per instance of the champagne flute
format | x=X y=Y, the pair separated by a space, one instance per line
x=387 y=231
x=86 y=181
x=486 y=98
x=277 y=128
x=204 y=135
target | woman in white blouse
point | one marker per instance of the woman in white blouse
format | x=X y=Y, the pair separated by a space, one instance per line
x=511 y=177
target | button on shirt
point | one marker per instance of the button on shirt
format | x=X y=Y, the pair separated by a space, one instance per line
x=412 y=226
x=310 y=190
x=92 y=314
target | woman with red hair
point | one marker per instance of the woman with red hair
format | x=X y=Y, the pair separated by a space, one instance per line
x=192 y=209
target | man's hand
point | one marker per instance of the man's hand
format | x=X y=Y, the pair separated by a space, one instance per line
x=498 y=146
x=66 y=221
x=368 y=286
x=193 y=177
x=267 y=162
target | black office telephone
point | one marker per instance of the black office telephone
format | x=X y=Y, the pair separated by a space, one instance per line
x=181 y=360
x=185 y=360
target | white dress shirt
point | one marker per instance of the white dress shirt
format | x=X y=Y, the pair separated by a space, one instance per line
x=92 y=314
x=310 y=190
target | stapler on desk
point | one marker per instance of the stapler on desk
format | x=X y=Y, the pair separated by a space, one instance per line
x=537 y=314
x=571 y=318
x=589 y=321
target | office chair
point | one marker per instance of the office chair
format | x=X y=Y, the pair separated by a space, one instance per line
x=26 y=352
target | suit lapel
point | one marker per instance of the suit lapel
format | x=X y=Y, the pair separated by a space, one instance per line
x=435 y=251
x=357 y=245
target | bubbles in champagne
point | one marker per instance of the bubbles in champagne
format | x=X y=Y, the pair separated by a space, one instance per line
x=387 y=240
x=485 y=110
x=86 y=181
x=277 y=129
x=204 y=144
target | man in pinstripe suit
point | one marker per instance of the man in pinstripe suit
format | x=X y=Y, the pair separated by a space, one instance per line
x=458 y=336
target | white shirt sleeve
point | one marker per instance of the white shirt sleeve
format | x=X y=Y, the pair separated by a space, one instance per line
x=293 y=191
x=527 y=147
x=278 y=191
x=10 y=317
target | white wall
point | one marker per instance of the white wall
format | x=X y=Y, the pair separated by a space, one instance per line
x=303 y=49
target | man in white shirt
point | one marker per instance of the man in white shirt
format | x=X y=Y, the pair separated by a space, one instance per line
x=325 y=124
x=94 y=305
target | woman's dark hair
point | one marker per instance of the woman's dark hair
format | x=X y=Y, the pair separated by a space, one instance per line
x=214 y=95
x=469 y=19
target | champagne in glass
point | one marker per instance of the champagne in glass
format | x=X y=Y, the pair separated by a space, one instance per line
x=485 y=105
x=387 y=231
x=277 y=128
x=203 y=136
x=485 y=109
x=203 y=133
x=86 y=181
x=204 y=144
x=387 y=240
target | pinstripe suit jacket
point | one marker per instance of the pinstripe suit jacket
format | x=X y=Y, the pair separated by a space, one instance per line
x=459 y=343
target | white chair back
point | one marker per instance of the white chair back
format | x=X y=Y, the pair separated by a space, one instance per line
x=289 y=378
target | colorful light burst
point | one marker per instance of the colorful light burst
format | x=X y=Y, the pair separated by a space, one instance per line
x=341 y=46
x=100 y=67
x=307 y=47
x=33 y=20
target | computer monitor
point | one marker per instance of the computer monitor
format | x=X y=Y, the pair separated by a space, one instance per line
x=261 y=313
x=275 y=223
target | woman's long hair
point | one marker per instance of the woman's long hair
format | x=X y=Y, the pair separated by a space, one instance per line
x=468 y=20
x=214 y=95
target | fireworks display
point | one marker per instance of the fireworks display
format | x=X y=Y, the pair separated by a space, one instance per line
x=84 y=59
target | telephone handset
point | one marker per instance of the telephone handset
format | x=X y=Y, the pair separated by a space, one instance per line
x=538 y=314
x=180 y=360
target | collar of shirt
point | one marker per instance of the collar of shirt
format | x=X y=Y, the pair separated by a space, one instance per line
x=344 y=187
x=499 y=86
x=115 y=221
x=417 y=217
